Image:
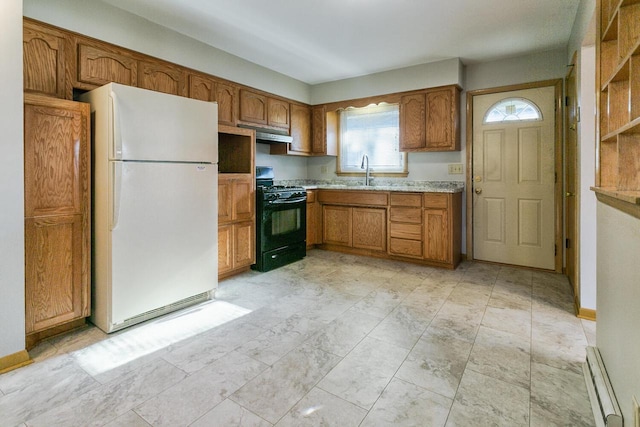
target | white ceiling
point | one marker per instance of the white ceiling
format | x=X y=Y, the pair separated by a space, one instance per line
x=317 y=41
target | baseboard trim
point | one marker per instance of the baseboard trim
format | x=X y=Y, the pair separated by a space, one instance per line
x=14 y=361
x=587 y=314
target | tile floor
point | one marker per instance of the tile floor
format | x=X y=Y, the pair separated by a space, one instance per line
x=333 y=340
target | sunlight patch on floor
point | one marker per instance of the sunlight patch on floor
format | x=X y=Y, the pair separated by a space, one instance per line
x=139 y=341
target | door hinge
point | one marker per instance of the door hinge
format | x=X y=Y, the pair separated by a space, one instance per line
x=566 y=101
x=567 y=244
x=555 y=177
x=555 y=249
x=578 y=115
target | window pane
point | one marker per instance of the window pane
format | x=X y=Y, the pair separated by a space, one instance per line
x=373 y=131
x=513 y=109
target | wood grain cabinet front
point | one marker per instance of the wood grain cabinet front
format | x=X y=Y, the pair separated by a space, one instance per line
x=355 y=227
x=355 y=219
x=236 y=223
x=314 y=220
x=430 y=120
x=57 y=214
x=442 y=228
x=260 y=109
x=44 y=61
x=99 y=64
x=253 y=107
x=206 y=88
x=405 y=225
x=236 y=247
x=162 y=77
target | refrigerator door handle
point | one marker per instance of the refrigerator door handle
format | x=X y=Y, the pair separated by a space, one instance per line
x=116 y=181
x=114 y=129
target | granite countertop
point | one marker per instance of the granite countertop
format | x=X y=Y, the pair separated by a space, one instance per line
x=378 y=185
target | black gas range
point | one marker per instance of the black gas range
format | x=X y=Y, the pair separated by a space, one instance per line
x=281 y=222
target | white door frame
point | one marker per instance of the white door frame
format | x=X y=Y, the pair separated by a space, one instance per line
x=559 y=220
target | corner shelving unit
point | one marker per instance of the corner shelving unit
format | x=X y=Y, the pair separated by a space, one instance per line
x=618 y=52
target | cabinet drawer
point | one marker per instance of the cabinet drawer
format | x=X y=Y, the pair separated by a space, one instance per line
x=404 y=247
x=412 y=215
x=405 y=199
x=311 y=196
x=435 y=200
x=352 y=198
x=405 y=231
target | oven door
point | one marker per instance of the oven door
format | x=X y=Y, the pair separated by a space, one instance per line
x=282 y=233
x=283 y=222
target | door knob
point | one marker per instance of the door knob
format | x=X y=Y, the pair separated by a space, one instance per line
x=478 y=190
x=570 y=194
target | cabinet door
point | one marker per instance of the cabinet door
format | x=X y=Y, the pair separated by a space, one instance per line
x=278 y=113
x=57 y=211
x=56 y=157
x=43 y=58
x=161 y=77
x=370 y=228
x=318 y=128
x=98 y=65
x=225 y=248
x=202 y=88
x=314 y=220
x=227 y=98
x=243 y=199
x=253 y=107
x=244 y=252
x=436 y=235
x=336 y=225
x=54 y=289
x=412 y=122
x=225 y=199
x=442 y=115
x=300 y=129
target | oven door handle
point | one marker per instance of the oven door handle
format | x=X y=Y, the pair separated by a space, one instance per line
x=288 y=201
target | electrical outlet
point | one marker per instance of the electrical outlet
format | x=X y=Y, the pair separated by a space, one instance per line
x=636 y=412
x=455 y=169
x=323 y=169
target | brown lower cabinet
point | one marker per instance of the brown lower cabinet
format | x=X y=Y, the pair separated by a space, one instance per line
x=418 y=227
x=314 y=220
x=57 y=215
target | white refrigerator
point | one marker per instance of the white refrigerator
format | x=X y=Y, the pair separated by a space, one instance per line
x=155 y=176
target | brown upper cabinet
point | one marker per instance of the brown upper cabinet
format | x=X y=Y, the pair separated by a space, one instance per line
x=301 y=128
x=227 y=98
x=161 y=77
x=278 y=113
x=300 y=132
x=206 y=88
x=100 y=64
x=253 y=107
x=324 y=128
x=259 y=109
x=44 y=60
x=430 y=120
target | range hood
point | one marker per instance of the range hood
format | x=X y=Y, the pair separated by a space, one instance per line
x=269 y=136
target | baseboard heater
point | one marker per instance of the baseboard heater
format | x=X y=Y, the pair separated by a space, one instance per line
x=603 y=401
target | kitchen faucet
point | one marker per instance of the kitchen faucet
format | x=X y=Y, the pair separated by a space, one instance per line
x=366 y=174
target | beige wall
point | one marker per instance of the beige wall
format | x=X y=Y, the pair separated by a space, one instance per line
x=11 y=181
x=618 y=325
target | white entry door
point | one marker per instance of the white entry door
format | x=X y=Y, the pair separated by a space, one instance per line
x=514 y=177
